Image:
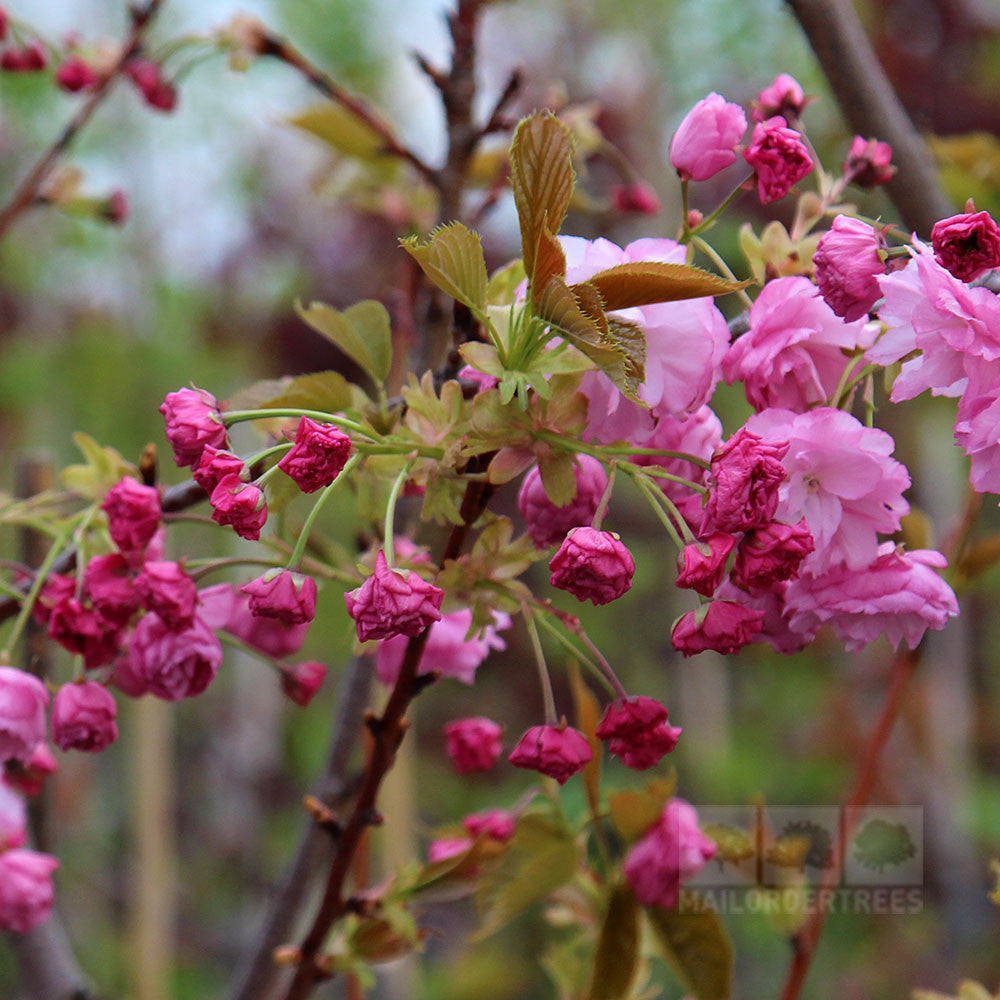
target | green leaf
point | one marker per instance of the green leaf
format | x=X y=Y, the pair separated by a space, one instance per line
x=696 y=945
x=644 y=282
x=616 y=959
x=342 y=129
x=326 y=391
x=453 y=259
x=541 y=178
x=541 y=857
x=558 y=471
x=503 y=284
x=363 y=332
x=102 y=469
x=634 y=811
x=482 y=357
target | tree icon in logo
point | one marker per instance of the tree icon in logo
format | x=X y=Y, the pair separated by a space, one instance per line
x=881 y=844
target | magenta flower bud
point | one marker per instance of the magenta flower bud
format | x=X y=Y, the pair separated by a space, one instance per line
x=193 y=422
x=301 y=682
x=869 y=163
x=592 y=565
x=107 y=581
x=214 y=465
x=393 y=602
x=148 y=77
x=76 y=74
x=484 y=381
x=473 y=744
x=447 y=847
x=23 y=699
x=225 y=607
x=29 y=778
x=280 y=593
x=83 y=717
x=745 y=478
x=672 y=852
x=240 y=504
x=56 y=588
x=783 y=96
x=556 y=751
x=82 y=629
x=848 y=266
x=165 y=588
x=625 y=716
x=703 y=564
x=497 y=824
x=13 y=818
x=636 y=197
x=643 y=750
x=4 y=20
x=133 y=514
x=116 y=207
x=27 y=59
x=547 y=523
x=779 y=157
x=721 y=625
x=173 y=663
x=705 y=141
x=26 y=892
x=771 y=554
x=162 y=97
x=967 y=244
x=319 y=454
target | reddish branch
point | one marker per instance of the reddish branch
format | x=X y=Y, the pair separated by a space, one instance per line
x=28 y=190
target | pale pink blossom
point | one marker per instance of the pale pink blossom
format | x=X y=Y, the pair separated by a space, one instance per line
x=26 y=893
x=705 y=141
x=977 y=430
x=840 y=478
x=23 y=699
x=899 y=595
x=224 y=606
x=13 y=818
x=793 y=354
x=848 y=265
x=782 y=96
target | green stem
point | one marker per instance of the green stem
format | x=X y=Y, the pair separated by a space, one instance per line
x=239 y=416
x=203 y=567
x=709 y=251
x=267 y=453
x=36 y=587
x=848 y=387
x=685 y=209
x=244 y=647
x=643 y=485
x=610 y=676
x=551 y=719
x=602 y=507
x=711 y=219
x=11 y=591
x=389 y=532
x=300 y=546
x=606 y=452
x=575 y=651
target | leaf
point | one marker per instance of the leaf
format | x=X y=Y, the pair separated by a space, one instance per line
x=616 y=959
x=326 y=391
x=541 y=178
x=102 y=469
x=697 y=947
x=634 y=811
x=363 y=332
x=503 y=284
x=342 y=129
x=588 y=717
x=482 y=357
x=644 y=282
x=452 y=258
x=558 y=471
x=541 y=857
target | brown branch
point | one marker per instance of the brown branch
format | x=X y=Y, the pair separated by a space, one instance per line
x=388 y=731
x=871 y=107
x=26 y=193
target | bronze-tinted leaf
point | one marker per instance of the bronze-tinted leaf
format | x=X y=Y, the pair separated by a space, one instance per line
x=644 y=282
x=696 y=945
x=617 y=956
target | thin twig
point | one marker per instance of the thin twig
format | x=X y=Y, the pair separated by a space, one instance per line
x=26 y=193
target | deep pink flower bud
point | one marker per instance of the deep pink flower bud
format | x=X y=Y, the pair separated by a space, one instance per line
x=23 y=699
x=319 y=454
x=869 y=163
x=703 y=564
x=705 y=141
x=108 y=583
x=643 y=750
x=27 y=59
x=116 y=208
x=745 y=477
x=783 y=96
x=162 y=96
x=240 y=504
x=193 y=421
x=672 y=852
x=636 y=197
x=497 y=824
x=301 y=682
x=133 y=514
x=556 y=751
x=848 y=266
x=83 y=717
x=473 y=744
x=280 y=593
x=144 y=73
x=165 y=588
x=484 y=381
x=625 y=716
x=214 y=465
x=447 y=847
x=592 y=565
x=57 y=586
x=780 y=158
x=82 y=629
x=76 y=74
x=26 y=892
x=148 y=77
x=720 y=625
x=13 y=818
x=393 y=602
x=771 y=554
x=225 y=607
x=3 y=24
x=170 y=663
x=967 y=244
x=29 y=778
x=547 y=523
